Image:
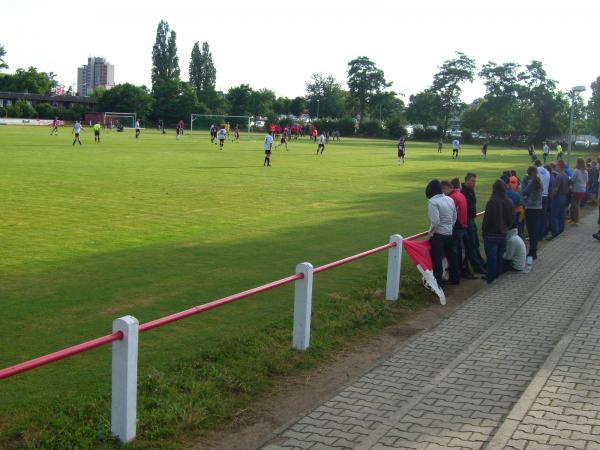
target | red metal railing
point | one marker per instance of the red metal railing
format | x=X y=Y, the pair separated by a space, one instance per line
x=88 y=345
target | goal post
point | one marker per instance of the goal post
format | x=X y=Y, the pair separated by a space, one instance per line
x=114 y=119
x=201 y=123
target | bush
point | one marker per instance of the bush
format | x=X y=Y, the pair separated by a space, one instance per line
x=425 y=134
x=346 y=126
x=371 y=128
x=45 y=111
x=395 y=128
x=21 y=109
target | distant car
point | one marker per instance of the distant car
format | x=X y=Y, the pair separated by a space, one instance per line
x=455 y=133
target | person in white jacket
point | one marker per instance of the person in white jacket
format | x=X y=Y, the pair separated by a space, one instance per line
x=442 y=215
x=515 y=255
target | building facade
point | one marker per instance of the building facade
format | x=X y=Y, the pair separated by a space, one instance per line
x=97 y=72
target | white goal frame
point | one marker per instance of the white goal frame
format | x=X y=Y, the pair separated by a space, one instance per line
x=218 y=120
x=119 y=115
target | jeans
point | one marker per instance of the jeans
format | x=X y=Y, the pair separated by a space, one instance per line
x=440 y=246
x=533 y=217
x=454 y=258
x=557 y=214
x=494 y=249
x=472 y=254
x=544 y=219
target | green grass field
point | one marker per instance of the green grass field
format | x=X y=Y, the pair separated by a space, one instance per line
x=152 y=226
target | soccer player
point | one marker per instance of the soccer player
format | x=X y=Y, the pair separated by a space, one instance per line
x=137 y=129
x=179 y=130
x=531 y=152
x=236 y=134
x=283 y=140
x=440 y=143
x=96 y=128
x=222 y=134
x=268 y=146
x=213 y=134
x=455 y=148
x=76 y=131
x=545 y=151
x=484 y=149
x=54 y=127
x=401 y=149
x=227 y=129
x=321 y=145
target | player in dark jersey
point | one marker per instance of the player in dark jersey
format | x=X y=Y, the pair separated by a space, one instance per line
x=401 y=149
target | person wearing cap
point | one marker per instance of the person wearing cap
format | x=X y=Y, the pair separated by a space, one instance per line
x=560 y=190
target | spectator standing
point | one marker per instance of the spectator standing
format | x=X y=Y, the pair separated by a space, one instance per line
x=458 y=231
x=496 y=223
x=545 y=178
x=471 y=240
x=442 y=215
x=532 y=201
x=579 y=181
x=560 y=190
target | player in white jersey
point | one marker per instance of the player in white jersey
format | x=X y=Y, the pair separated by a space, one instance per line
x=76 y=130
x=222 y=134
x=138 y=129
x=268 y=144
x=455 y=148
x=321 y=145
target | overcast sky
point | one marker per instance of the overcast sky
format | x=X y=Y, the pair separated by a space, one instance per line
x=278 y=45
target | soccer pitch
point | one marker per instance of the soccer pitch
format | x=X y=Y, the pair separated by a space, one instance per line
x=155 y=225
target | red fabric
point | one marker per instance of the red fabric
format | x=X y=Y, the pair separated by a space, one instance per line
x=460 y=201
x=418 y=252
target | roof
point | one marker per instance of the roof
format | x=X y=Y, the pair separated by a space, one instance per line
x=48 y=98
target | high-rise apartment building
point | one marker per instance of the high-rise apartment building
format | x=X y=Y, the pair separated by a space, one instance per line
x=97 y=72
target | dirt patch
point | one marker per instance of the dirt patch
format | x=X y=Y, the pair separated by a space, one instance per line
x=293 y=396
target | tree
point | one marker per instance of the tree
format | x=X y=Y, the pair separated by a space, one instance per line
x=385 y=105
x=594 y=108
x=261 y=102
x=3 y=64
x=549 y=106
x=325 y=97
x=239 y=100
x=425 y=109
x=126 y=98
x=446 y=84
x=364 y=80
x=174 y=100
x=203 y=75
x=297 y=106
x=29 y=80
x=195 y=70
x=165 y=64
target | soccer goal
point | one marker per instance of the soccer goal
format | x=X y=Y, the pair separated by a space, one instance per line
x=201 y=123
x=116 y=119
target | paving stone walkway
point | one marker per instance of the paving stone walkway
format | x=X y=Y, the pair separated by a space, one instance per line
x=517 y=366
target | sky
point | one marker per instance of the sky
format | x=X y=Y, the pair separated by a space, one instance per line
x=278 y=45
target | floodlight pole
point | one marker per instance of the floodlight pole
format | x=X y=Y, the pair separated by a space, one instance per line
x=318 y=101
x=575 y=90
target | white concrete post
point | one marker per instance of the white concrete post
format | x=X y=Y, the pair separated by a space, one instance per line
x=124 y=379
x=302 y=306
x=392 y=287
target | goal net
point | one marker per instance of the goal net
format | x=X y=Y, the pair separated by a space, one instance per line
x=200 y=123
x=115 y=119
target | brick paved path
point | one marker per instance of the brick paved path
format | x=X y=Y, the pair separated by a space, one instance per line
x=518 y=366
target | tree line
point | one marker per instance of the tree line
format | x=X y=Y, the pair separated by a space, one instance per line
x=520 y=102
